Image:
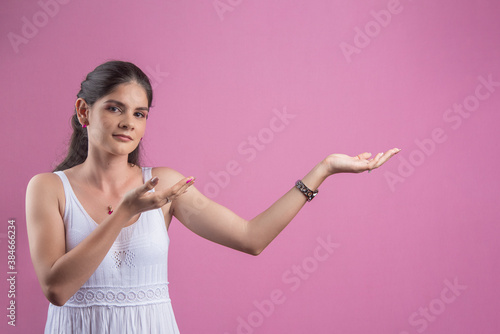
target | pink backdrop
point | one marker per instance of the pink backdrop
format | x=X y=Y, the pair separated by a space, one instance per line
x=410 y=248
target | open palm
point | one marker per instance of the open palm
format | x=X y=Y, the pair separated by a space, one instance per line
x=342 y=163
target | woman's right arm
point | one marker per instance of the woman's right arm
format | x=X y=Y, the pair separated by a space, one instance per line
x=61 y=274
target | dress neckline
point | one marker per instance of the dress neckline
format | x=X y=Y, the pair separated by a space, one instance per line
x=85 y=211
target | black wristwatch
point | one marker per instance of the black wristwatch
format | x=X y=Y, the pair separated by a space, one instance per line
x=306 y=191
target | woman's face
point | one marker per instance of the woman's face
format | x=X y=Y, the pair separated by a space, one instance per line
x=117 y=121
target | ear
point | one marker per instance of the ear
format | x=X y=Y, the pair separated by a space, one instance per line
x=82 y=111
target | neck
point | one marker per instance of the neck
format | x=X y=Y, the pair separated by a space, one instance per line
x=108 y=173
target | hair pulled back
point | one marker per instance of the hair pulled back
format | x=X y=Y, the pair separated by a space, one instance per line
x=103 y=80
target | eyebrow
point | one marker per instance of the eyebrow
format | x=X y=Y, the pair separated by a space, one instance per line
x=121 y=104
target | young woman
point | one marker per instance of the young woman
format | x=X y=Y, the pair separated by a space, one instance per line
x=97 y=225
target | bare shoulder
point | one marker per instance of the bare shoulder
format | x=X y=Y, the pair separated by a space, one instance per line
x=45 y=188
x=48 y=182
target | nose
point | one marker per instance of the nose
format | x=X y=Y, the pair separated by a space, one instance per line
x=127 y=121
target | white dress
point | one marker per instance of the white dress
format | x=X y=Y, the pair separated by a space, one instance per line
x=128 y=293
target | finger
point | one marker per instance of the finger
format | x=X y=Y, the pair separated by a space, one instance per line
x=186 y=182
x=185 y=185
x=390 y=153
x=372 y=163
x=148 y=185
x=179 y=188
x=386 y=156
x=362 y=156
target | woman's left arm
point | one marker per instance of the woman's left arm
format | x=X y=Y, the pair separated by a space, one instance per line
x=217 y=223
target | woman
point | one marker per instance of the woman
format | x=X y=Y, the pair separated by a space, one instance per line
x=97 y=225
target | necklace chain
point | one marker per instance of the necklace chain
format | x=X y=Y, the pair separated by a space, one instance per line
x=110 y=208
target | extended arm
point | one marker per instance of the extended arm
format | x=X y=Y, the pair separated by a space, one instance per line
x=219 y=224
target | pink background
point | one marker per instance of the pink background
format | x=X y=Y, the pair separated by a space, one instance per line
x=425 y=220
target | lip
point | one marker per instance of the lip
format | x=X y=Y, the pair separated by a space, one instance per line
x=123 y=137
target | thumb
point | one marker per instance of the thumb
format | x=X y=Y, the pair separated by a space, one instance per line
x=148 y=185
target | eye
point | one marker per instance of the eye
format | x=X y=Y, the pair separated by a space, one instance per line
x=141 y=115
x=114 y=109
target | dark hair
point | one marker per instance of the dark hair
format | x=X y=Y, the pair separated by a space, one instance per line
x=100 y=82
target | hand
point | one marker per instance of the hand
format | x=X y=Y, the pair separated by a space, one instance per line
x=140 y=199
x=341 y=163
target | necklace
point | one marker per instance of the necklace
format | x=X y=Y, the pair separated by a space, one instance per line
x=110 y=208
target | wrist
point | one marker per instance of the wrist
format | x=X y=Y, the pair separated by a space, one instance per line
x=125 y=212
x=324 y=169
x=316 y=176
x=328 y=164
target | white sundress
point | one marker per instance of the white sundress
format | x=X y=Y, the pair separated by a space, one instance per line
x=128 y=293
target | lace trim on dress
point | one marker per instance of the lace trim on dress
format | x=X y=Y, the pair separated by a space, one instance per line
x=119 y=296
